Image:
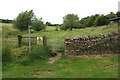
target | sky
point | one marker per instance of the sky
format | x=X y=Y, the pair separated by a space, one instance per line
x=54 y=10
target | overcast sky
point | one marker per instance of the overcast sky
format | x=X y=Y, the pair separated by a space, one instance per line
x=54 y=10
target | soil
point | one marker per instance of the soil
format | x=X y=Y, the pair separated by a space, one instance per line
x=55 y=58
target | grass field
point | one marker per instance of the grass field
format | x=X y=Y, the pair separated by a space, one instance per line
x=105 y=67
x=81 y=32
x=50 y=31
x=8 y=29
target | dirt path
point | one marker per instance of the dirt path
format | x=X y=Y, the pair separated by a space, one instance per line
x=53 y=59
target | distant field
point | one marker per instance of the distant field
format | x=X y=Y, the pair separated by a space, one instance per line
x=81 y=32
x=50 y=28
x=6 y=24
x=50 y=31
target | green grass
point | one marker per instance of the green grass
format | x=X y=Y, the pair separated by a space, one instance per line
x=50 y=31
x=50 y=28
x=66 y=68
x=81 y=32
x=6 y=52
x=8 y=29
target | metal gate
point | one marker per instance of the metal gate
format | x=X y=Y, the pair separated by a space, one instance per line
x=56 y=44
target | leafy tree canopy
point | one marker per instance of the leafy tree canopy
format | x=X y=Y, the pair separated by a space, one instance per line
x=70 y=21
x=38 y=24
x=118 y=14
x=24 y=19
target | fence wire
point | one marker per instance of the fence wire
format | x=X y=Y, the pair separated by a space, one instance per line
x=56 y=44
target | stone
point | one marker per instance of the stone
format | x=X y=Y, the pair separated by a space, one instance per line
x=90 y=44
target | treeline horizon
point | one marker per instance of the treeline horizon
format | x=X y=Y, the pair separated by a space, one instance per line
x=97 y=19
x=83 y=22
x=5 y=21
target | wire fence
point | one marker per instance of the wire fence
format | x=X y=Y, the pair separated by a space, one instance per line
x=56 y=44
x=13 y=41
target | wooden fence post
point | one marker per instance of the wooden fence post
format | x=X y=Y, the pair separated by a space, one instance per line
x=19 y=40
x=44 y=40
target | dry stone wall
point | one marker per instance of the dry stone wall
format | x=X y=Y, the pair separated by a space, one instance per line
x=93 y=44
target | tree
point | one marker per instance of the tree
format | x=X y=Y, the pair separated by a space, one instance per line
x=118 y=14
x=38 y=24
x=96 y=20
x=70 y=21
x=48 y=23
x=88 y=21
x=63 y=27
x=101 y=20
x=6 y=21
x=111 y=15
x=24 y=19
x=82 y=22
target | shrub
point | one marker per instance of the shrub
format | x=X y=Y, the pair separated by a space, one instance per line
x=56 y=28
x=32 y=31
x=20 y=52
x=62 y=27
x=38 y=25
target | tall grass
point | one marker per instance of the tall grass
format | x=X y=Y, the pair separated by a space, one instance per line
x=7 y=29
x=38 y=52
x=6 y=53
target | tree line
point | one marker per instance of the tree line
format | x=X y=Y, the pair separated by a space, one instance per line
x=96 y=20
x=5 y=21
x=70 y=21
